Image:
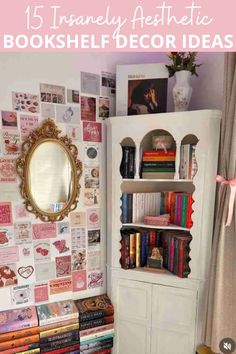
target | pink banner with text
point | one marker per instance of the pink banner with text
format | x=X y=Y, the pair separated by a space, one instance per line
x=101 y=25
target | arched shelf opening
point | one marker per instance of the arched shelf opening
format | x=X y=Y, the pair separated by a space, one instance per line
x=188 y=163
x=157 y=155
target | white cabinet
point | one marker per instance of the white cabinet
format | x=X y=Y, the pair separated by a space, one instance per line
x=153 y=319
x=159 y=313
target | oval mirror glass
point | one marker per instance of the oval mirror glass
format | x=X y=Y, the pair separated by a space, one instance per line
x=50 y=177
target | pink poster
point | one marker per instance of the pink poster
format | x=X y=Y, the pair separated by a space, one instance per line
x=92 y=132
x=62 y=285
x=79 y=281
x=27 y=125
x=63 y=266
x=41 y=293
x=44 y=230
x=5 y=214
x=8 y=170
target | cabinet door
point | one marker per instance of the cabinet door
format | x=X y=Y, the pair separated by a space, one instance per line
x=173 y=320
x=132 y=317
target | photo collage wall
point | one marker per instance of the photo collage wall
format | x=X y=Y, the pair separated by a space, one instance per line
x=39 y=260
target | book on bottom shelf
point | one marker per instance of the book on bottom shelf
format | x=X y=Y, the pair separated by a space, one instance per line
x=17 y=319
x=56 y=312
x=94 y=307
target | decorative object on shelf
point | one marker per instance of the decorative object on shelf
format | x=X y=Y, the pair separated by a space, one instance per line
x=141 y=89
x=155 y=259
x=162 y=142
x=161 y=220
x=183 y=65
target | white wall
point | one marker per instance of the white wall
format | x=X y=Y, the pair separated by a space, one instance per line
x=18 y=69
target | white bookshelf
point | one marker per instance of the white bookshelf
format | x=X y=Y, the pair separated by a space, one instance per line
x=150 y=289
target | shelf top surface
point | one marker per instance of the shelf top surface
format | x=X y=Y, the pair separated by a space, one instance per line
x=169 y=227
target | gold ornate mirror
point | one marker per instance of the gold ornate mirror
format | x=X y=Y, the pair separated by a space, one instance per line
x=50 y=171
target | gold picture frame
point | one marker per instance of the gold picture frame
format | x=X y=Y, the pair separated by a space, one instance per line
x=48 y=133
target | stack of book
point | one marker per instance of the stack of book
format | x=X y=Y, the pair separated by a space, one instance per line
x=175 y=245
x=127 y=167
x=59 y=327
x=19 y=331
x=159 y=164
x=96 y=316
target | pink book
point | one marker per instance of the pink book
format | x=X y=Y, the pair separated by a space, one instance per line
x=14 y=320
x=179 y=209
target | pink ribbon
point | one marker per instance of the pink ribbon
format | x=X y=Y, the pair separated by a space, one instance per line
x=232 y=184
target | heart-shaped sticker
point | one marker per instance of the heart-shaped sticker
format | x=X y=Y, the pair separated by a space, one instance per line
x=25 y=272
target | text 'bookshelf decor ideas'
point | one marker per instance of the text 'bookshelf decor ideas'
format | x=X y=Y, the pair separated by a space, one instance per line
x=161 y=188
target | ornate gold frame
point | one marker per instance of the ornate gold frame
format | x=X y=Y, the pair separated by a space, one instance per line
x=48 y=132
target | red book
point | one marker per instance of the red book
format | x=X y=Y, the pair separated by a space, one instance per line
x=152 y=237
x=172 y=207
x=189 y=222
x=183 y=259
x=159 y=153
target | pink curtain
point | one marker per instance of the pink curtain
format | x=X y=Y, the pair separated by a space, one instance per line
x=221 y=316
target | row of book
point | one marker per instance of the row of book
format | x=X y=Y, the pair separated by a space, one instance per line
x=137 y=246
x=158 y=164
x=135 y=206
x=81 y=326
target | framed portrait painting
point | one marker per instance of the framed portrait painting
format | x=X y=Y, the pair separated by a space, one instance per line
x=141 y=89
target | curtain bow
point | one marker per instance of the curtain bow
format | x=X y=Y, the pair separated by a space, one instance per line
x=232 y=184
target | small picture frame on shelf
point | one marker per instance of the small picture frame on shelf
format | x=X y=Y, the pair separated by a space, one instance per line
x=141 y=89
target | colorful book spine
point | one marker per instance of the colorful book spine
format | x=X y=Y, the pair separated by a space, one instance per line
x=97 y=322
x=159 y=153
x=71 y=335
x=94 y=341
x=124 y=208
x=189 y=222
x=157 y=169
x=168 y=164
x=125 y=250
x=130 y=208
x=171 y=254
x=4 y=337
x=144 y=248
x=58 y=344
x=183 y=259
x=96 y=330
x=98 y=349
x=19 y=342
x=184 y=210
x=59 y=330
x=59 y=324
x=132 y=251
x=21 y=349
x=158 y=158
x=179 y=209
x=62 y=350
x=138 y=249
x=152 y=237
x=98 y=336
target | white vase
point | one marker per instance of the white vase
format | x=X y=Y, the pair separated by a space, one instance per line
x=182 y=91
